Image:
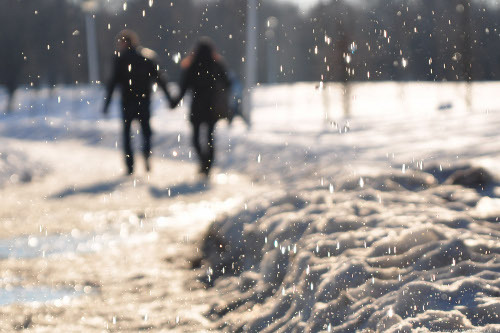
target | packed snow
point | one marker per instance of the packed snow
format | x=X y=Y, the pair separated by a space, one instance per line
x=383 y=219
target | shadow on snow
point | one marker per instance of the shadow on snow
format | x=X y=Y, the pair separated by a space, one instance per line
x=185 y=188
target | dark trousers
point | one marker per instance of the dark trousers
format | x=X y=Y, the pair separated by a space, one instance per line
x=204 y=143
x=139 y=112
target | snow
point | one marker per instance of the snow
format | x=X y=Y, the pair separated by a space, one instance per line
x=385 y=219
x=16 y=167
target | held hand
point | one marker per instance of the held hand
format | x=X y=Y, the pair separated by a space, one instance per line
x=173 y=103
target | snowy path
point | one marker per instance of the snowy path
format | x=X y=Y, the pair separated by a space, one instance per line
x=128 y=242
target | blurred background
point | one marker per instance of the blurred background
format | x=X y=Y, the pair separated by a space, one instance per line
x=53 y=42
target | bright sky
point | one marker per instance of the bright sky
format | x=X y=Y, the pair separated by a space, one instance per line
x=303 y=4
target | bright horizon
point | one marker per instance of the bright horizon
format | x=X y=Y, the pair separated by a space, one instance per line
x=302 y=4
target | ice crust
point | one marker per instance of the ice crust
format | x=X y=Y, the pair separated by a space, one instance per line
x=403 y=253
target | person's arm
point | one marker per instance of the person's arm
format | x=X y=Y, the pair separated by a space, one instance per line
x=111 y=85
x=224 y=74
x=183 y=85
x=161 y=80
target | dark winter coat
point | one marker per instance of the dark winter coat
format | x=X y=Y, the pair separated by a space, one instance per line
x=203 y=79
x=135 y=71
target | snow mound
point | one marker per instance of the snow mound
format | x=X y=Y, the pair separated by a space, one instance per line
x=16 y=167
x=399 y=252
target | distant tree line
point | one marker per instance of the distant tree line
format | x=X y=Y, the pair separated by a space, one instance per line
x=44 y=42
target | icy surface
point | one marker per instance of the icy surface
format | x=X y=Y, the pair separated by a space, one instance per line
x=36 y=295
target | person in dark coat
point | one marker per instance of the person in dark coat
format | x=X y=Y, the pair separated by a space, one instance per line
x=204 y=74
x=135 y=70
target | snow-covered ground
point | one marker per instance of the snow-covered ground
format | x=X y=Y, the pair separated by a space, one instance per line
x=385 y=219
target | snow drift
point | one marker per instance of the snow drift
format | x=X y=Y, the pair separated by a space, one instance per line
x=17 y=167
x=395 y=253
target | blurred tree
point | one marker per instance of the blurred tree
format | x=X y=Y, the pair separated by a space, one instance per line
x=385 y=40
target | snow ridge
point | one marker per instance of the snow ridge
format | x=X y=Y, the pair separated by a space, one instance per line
x=397 y=253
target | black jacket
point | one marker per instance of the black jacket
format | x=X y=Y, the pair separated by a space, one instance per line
x=203 y=81
x=135 y=71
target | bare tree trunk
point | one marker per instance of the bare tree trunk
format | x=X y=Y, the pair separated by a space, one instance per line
x=10 y=102
x=465 y=8
x=345 y=72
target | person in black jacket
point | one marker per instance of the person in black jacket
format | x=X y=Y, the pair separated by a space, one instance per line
x=135 y=71
x=205 y=75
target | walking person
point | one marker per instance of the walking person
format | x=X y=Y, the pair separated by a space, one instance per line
x=205 y=75
x=135 y=70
